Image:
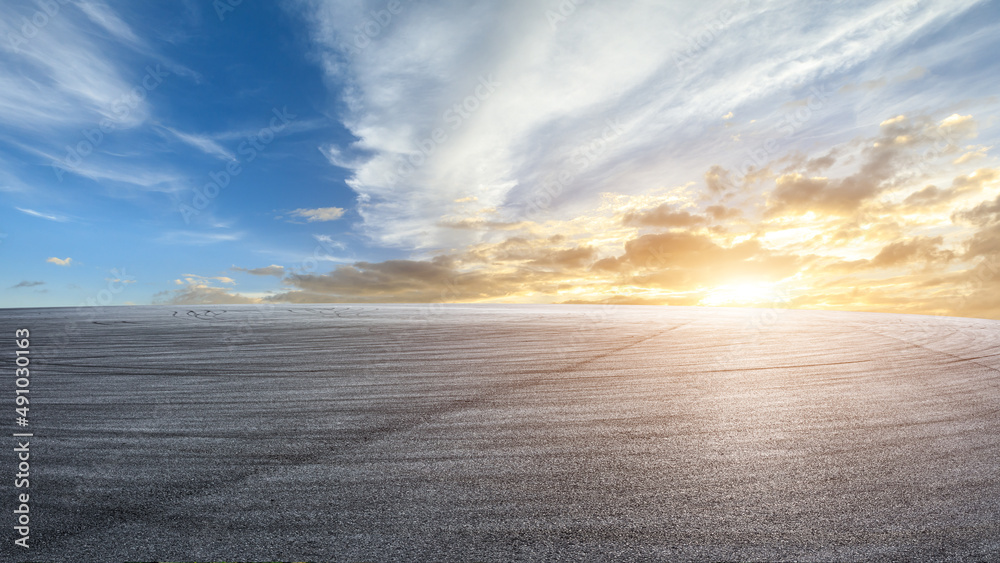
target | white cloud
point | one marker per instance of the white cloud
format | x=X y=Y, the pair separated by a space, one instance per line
x=201 y=290
x=60 y=261
x=328 y=242
x=33 y=213
x=319 y=214
x=336 y=157
x=204 y=144
x=195 y=279
x=62 y=76
x=102 y=15
x=198 y=238
x=660 y=72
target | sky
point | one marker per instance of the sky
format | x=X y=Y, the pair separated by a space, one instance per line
x=836 y=155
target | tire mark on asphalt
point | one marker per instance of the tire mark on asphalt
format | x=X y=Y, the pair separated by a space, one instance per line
x=104 y=518
x=956 y=358
x=487 y=395
x=602 y=355
x=791 y=367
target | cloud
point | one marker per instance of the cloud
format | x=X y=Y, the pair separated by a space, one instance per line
x=390 y=281
x=480 y=224
x=550 y=267
x=931 y=196
x=688 y=251
x=320 y=214
x=327 y=242
x=513 y=267
x=983 y=214
x=985 y=242
x=194 y=279
x=441 y=101
x=975 y=154
x=201 y=290
x=885 y=159
x=554 y=254
x=202 y=295
x=272 y=270
x=665 y=215
x=104 y=168
x=33 y=213
x=680 y=267
x=914 y=73
x=718 y=179
x=27 y=284
x=835 y=234
x=336 y=157
x=205 y=144
x=60 y=261
x=722 y=213
x=914 y=249
x=102 y=15
x=63 y=76
x=198 y=238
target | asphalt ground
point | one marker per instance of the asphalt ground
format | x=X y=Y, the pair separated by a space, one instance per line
x=504 y=433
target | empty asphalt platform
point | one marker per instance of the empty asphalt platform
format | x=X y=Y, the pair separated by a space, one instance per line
x=503 y=433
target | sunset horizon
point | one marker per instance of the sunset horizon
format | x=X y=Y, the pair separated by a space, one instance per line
x=573 y=153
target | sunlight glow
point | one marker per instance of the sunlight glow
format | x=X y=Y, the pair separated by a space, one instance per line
x=757 y=293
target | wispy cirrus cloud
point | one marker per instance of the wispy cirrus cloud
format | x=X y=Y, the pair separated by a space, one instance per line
x=102 y=15
x=77 y=78
x=203 y=143
x=62 y=76
x=47 y=216
x=199 y=238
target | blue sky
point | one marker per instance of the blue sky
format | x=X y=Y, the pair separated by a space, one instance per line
x=499 y=151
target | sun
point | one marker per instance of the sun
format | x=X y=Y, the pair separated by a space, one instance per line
x=756 y=293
